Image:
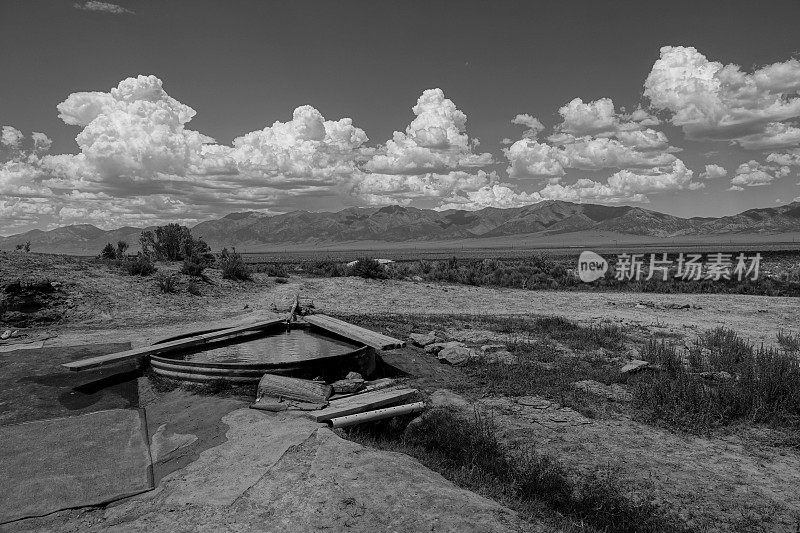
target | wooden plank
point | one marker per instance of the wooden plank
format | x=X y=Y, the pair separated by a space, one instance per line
x=371 y=338
x=378 y=414
x=361 y=402
x=167 y=347
x=304 y=390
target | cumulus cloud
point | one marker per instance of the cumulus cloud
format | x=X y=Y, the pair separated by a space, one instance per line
x=496 y=195
x=713 y=171
x=591 y=136
x=625 y=185
x=755 y=174
x=712 y=101
x=790 y=158
x=11 y=137
x=102 y=7
x=433 y=157
x=534 y=125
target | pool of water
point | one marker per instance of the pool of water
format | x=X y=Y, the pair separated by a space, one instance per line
x=297 y=344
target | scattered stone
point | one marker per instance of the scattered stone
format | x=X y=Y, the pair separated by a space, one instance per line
x=491 y=348
x=456 y=354
x=437 y=347
x=416 y=278
x=353 y=375
x=634 y=366
x=344 y=386
x=423 y=339
x=5 y=335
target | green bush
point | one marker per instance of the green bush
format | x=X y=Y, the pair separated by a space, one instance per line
x=167 y=283
x=141 y=265
x=325 y=267
x=193 y=288
x=108 y=252
x=718 y=381
x=174 y=242
x=368 y=268
x=193 y=267
x=233 y=266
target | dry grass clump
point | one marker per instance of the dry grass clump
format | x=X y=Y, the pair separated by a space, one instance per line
x=141 y=265
x=469 y=453
x=720 y=380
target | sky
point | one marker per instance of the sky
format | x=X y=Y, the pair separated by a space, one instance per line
x=136 y=112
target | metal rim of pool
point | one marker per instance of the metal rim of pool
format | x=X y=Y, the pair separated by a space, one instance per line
x=172 y=366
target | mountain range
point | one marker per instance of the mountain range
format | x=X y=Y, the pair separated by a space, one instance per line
x=395 y=223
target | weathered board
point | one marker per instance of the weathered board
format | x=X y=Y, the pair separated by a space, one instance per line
x=167 y=347
x=360 y=403
x=371 y=338
x=304 y=390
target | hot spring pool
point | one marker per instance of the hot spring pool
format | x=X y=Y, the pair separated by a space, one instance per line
x=305 y=351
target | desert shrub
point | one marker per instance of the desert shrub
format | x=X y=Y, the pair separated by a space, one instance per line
x=108 y=252
x=718 y=381
x=469 y=453
x=325 y=267
x=122 y=247
x=233 y=266
x=368 y=268
x=193 y=267
x=272 y=270
x=193 y=288
x=789 y=342
x=173 y=242
x=141 y=265
x=167 y=283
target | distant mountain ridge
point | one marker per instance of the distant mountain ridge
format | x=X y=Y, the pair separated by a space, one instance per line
x=398 y=224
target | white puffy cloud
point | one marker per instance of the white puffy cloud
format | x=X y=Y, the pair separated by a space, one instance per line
x=591 y=136
x=11 y=137
x=790 y=158
x=625 y=185
x=382 y=189
x=41 y=142
x=534 y=125
x=713 y=171
x=102 y=7
x=712 y=101
x=754 y=174
x=433 y=158
x=496 y=195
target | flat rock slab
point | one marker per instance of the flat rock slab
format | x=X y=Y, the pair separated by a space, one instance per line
x=91 y=459
x=279 y=472
x=34 y=386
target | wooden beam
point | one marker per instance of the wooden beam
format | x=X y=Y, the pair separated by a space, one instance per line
x=360 y=403
x=357 y=333
x=378 y=414
x=170 y=346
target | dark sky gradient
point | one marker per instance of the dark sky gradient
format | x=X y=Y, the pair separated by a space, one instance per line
x=244 y=64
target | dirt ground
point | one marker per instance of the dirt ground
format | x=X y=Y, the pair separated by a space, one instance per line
x=721 y=482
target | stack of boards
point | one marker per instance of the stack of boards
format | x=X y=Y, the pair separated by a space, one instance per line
x=376 y=401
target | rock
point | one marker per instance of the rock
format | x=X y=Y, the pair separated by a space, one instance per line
x=353 y=375
x=456 y=354
x=416 y=278
x=344 y=386
x=437 y=347
x=423 y=339
x=491 y=348
x=5 y=335
x=633 y=366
